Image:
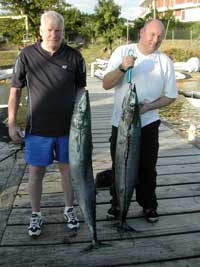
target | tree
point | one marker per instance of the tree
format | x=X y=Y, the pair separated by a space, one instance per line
x=33 y=9
x=167 y=19
x=73 y=23
x=107 y=21
x=195 y=30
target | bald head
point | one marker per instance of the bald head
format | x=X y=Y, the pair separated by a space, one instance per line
x=151 y=36
x=155 y=23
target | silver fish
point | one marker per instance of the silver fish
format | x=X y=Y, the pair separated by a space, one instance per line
x=127 y=154
x=80 y=160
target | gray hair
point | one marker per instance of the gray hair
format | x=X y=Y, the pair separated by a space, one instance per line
x=53 y=15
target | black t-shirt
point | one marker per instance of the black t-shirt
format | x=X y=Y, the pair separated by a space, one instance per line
x=52 y=83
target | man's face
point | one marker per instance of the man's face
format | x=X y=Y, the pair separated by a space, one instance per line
x=151 y=36
x=52 y=34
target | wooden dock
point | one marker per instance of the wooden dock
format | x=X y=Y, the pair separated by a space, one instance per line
x=174 y=241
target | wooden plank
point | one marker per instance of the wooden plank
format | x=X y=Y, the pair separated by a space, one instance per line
x=8 y=194
x=163 y=152
x=165 y=179
x=170 y=169
x=173 y=241
x=4 y=213
x=56 y=233
x=55 y=213
x=5 y=171
x=167 y=191
x=174 y=145
x=189 y=159
x=170 y=263
x=191 y=150
x=8 y=149
x=130 y=251
x=180 y=178
x=173 y=160
x=53 y=197
x=161 y=170
x=12 y=183
x=56 y=198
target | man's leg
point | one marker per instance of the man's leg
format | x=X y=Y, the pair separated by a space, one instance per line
x=66 y=184
x=69 y=212
x=38 y=154
x=36 y=175
x=113 y=212
x=146 y=188
x=62 y=156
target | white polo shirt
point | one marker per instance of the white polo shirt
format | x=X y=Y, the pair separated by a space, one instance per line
x=153 y=76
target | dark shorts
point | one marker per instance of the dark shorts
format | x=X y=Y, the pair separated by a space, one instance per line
x=42 y=151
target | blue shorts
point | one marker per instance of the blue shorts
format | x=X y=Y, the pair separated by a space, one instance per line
x=42 y=151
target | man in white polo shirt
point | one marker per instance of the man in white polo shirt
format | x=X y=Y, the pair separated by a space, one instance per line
x=154 y=77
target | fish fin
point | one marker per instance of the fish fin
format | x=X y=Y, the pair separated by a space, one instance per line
x=125 y=228
x=71 y=234
x=95 y=245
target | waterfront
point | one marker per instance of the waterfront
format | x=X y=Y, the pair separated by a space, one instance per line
x=171 y=242
x=180 y=115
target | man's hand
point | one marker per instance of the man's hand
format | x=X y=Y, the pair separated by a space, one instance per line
x=128 y=62
x=16 y=135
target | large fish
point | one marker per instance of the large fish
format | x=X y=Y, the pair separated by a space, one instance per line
x=80 y=159
x=127 y=154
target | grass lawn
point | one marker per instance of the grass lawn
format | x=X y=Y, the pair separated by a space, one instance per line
x=178 y=50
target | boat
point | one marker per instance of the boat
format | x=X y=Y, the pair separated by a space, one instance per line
x=179 y=75
x=3 y=113
x=195 y=102
x=191 y=65
x=192 y=97
x=6 y=73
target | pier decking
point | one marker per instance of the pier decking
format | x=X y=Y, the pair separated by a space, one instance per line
x=174 y=241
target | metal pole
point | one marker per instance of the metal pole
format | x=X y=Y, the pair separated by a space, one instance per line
x=127 y=32
x=154 y=9
x=167 y=28
x=26 y=23
x=26 y=27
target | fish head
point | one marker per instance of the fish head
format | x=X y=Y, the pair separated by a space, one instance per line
x=81 y=108
x=129 y=106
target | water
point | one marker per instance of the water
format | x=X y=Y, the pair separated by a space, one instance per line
x=192 y=84
x=4 y=92
x=4 y=95
x=189 y=85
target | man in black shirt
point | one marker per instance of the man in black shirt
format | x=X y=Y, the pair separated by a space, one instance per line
x=53 y=72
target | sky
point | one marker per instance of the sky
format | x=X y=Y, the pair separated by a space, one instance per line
x=129 y=8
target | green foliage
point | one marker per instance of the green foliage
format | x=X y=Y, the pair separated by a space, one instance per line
x=107 y=21
x=79 y=28
x=32 y=8
x=195 y=30
x=73 y=22
x=178 y=54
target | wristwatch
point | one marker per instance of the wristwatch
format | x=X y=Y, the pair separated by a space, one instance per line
x=122 y=69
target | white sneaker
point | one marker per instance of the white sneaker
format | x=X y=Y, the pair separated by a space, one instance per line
x=72 y=220
x=34 y=228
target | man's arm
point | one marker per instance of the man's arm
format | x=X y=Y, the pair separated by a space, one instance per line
x=159 y=103
x=13 y=105
x=113 y=77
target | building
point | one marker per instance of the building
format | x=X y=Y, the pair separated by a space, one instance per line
x=183 y=10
